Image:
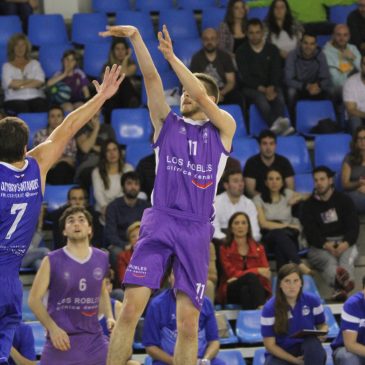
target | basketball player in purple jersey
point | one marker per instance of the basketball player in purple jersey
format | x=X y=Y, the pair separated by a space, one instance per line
x=191 y=153
x=74 y=278
x=22 y=182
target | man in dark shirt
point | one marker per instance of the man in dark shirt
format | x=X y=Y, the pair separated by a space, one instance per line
x=331 y=226
x=256 y=166
x=259 y=64
x=121 y=213
x=356 y=23
x=218 y=64
x=146 y=170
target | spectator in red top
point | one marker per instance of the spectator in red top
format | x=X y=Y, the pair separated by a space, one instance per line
x=246 y=272
x=125 y=256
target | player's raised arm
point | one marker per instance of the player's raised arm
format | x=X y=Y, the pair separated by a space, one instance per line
x=196 y=90
x=155 y=95
x=49 y=152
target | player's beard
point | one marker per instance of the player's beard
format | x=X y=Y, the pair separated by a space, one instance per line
x=131 y=194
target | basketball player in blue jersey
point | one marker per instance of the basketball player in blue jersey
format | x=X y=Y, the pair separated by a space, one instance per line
x=22 y=183
x=191 y=153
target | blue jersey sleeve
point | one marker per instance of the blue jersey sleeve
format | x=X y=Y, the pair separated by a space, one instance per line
x=350 y=316
x=211 y=327
x=318 y=310
x=151 y=329
x=268 y=319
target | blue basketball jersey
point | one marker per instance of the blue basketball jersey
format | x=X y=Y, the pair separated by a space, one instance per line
x=20 y=203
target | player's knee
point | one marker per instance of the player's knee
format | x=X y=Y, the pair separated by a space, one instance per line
x=187 y=327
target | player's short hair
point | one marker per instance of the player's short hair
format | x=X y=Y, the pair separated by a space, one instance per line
x=267 y=133
x=73 y=210
x=210 y=85
x=14 y=135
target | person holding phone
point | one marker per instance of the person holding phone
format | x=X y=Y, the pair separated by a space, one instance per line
x=290 y=311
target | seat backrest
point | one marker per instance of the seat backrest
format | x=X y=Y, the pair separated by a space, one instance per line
x=9 y=25
x=303 y=183
x=231 y=357
x=35 y=122
x=310 y=112
x=153 y=5
x=186 y=48
x=197 y=5
x=259 y=357
x=259 y=12
x=331 y=149
x=248 y=328
x=211 y=18
x=257 y=122
x=333 y=328
x=47 y=29
x=56 y=196
x=136 y=151
x=244 y=148
x=142 y=21
x=180 y=23
x=237 y=115
x=295 y=150
x=95 y=57
x=339 y=13
x=110 y=6
x=86 y=28
x=50 y=56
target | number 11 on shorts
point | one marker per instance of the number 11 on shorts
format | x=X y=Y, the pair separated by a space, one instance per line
x=200 y=288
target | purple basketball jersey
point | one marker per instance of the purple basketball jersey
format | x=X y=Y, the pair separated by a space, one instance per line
x=74 y=290
x=190 y=160
x=20 y=203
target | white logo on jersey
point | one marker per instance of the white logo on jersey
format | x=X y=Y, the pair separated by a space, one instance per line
x=98 y=273
x=182 y=130
x=66 y=275
x=305 y=310
x=19 y=176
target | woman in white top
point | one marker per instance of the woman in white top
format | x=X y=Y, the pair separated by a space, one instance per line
x=283 y=30
x=22 y=79
x=280 y=230
x=106 y=176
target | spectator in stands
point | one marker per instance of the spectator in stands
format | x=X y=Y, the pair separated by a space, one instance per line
x=356 y=23
x=106 y=177
x=331 y=226
x=292 y=310
x=259 y=65
x=353 y=170
x=306 y=73
x=63 y=172
x=256 y=166
x=281 y=230
x=218 y=64
x=284 y=31
x=23 y=350
x=349 y=346
x=232 y=31
x=121 y=213
x=354 y=98
x=22 y=79
x=343 y=60
x=73 y=79
x=24 y=9
x=126 y=96
x=160 y=331
x=146 y=170
x=125 y=256
x=76 y=197
x=232 y=201
x=89 y=140
x=246 y=272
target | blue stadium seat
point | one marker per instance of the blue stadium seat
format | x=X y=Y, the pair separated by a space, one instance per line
x=35 y=121
x=27 y=314
x=9 y=25
x=229 y=336
x=50 y=57
x=110 y=6
x=295 y=150
x=3 y=57
x=330 y=150
x=328 y=349
x=333 y=328
x=236 y=113
x=142 y=21
x=95 y=57
x=309 y=112
x=257 y=123
x=304 y=183
x=186 y=48
x=47 y=29
x=248 y=328
x=323 y=39
x=259 y=357
x=180 y=23
x=259 y=12
x=39 y=334
x=231 y=357
x=308 y=286
x=148 y=360
x=137 y=151
x=244 y=148
x=197 y=5
x=153 y=5
x=211 y=18
x=339 y=13
x=137 y=343
x=85 y=28
x=131 y=125
x=56 y=196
